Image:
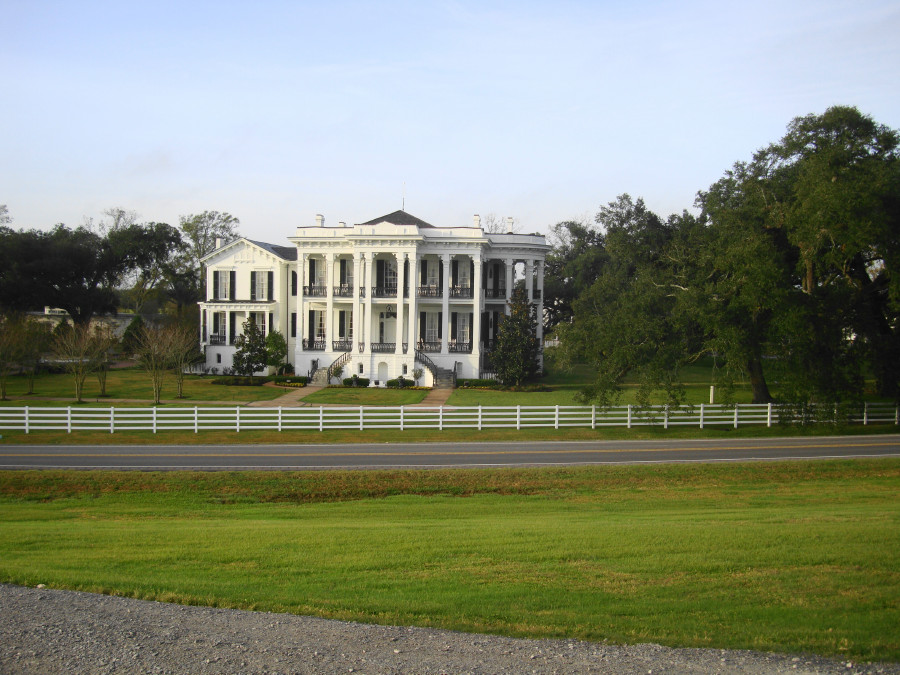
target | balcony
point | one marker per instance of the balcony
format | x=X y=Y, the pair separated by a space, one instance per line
x=341 y=345
x=460 y=348
x=313 y=345
x=342 y=291
x=429 y=291
x=460 y=292
x=384 y=291
x=430 y=347
x=217 y=339
x=315 y=291
x=384 y=347
x=495 y=293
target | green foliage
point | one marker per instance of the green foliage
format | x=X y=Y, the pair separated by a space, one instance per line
x=400 y=383
x=239 y=381
x=131 y=335
x=276 y=349
x=356 y=381
x=515 y=357
x=251 y=354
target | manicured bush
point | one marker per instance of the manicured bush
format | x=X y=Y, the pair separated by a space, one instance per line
x=240 y=381
x=356 y=381
x=292 y=380
x=479 y=384
x=400 y=383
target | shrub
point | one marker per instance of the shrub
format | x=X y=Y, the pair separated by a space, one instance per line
x=480 y=384
x=400 y=383
x=240 y=381
x=356 y=381
x=291 y=380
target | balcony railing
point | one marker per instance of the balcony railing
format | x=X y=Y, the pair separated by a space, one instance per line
x=384 y=291
x=313 y=345
x=216 y=339
x=429 y=347
x=384 y=347
x=343 y=291
x=495 y=293
x=460 y=292
x=341 y=345
x=315 y=291
x=429 y=291
x=460 y=348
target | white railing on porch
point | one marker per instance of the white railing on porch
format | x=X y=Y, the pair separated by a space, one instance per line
x=32 y=419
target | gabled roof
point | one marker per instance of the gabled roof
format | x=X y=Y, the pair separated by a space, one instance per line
x=283 y=252
x=399 y=218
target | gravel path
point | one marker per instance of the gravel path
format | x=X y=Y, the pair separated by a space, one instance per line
x=47 y=631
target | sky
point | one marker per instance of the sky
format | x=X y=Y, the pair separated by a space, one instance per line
x=539 y=110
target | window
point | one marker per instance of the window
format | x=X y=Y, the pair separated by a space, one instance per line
x=320 y=325
x=404 y=369
x=262 y=286
x=432 y=328
x=432 y=272
x=222 y=291
x=293 y=283
x=462 y=327
x=464 y=280
x=360 y=369
x=218 y=358
x=293 y=324
x=221 y=325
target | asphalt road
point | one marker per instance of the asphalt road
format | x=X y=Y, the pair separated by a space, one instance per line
x=439 y=455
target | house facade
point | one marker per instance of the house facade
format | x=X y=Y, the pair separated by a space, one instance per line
x=379 y=299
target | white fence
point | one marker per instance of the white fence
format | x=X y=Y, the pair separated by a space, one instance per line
x=30 y=419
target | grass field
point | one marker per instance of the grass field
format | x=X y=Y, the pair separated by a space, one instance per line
x=367 y=396
x=134 y=383
x=795 y=557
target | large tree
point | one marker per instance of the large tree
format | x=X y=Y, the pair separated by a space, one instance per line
x=515 y=356
x=251 y=354
x=200 y=232
x=77 y=270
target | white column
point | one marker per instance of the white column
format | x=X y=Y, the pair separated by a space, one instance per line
x=357 y=281
x=540 y=304
x=529 y=278
x=301 y=301
x=445 y=306
x=476 y=307
x=329 y=300
x=413 y=302
x=367 y=318
x=509 y=283
x=398 y=322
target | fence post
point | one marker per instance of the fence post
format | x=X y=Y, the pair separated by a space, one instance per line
x=27 y=420
x=322 y=417
x=593 y=416
x=701 y=415
x=897 y=415
x=360 y=418
x=237 y=419
x=769 y=415
x=401 y=418
x=666 y=417
x=279 y=418
x=69 y=419
x=196 y=420
x=154 y=419
x=736 y=406
x=865 y=413
x=518 y=418
x=479 y=417
x=629 y=415
x=556 y=418
x=441 y=418
x=112 y=419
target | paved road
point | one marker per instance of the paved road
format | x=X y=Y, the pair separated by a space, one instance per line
x=440 y=455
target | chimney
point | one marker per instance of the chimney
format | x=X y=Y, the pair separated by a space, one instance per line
x=476 y=221
x=320 y=220
x=342 y=224
x=218 y=243
x=509 y=224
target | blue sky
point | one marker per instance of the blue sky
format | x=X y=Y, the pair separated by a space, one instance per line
x=276 y=111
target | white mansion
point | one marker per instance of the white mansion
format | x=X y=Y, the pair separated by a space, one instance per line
x=379 y=299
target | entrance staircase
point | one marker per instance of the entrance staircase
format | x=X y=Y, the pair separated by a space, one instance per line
x=443 y=378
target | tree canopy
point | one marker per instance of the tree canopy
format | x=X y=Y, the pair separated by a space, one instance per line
x=788 y=272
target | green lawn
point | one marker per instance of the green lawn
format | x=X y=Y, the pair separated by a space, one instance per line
x=134 y=383
x=366 y=396
x=793 y=557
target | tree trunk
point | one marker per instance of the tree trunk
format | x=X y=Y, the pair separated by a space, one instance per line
x=758 y=386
